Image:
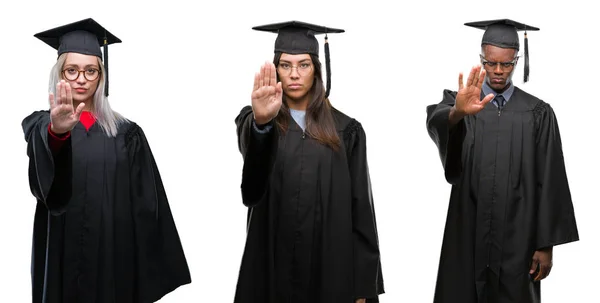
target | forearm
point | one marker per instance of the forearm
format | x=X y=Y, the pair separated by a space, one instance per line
x=49 y=168
x=454 y=117
x=56 y=141
x=257 y=144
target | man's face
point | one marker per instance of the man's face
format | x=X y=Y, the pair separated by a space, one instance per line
x=499 y=64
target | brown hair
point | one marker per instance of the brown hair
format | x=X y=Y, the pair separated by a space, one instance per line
x=319 y=118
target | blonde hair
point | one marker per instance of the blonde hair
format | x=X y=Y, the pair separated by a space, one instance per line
x=108 y=119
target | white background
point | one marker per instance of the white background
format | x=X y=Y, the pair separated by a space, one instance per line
x=185 y=70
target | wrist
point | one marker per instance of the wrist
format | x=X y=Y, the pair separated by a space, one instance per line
x=261 y=122
x=456 y=113
x=455 y=116
x=57 y=132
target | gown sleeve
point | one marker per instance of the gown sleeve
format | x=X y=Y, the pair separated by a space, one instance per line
x=368 y=279
x=257 y=146
x=161 y=262
x=556 y=219
x=449 y=140
x=49 y=163
x=56 y=142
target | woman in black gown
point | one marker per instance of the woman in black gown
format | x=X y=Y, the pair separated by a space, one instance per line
x=103 y=230
x=312 y=234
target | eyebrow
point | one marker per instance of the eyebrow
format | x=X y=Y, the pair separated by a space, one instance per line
x=301 y=61
x=86 y=66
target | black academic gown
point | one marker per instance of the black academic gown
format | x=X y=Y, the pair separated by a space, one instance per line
x=103 y=230
x=311 y=234
x=510 y=197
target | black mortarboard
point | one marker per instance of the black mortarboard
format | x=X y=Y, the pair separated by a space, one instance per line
x=295 y=37
x=503 y=33
x=84 y=37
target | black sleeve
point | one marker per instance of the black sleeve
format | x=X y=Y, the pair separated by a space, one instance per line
x=368 y=279
x=259 y=151
x=49 y=175
x=449 y=140
x=161 y=263
x=556 y=219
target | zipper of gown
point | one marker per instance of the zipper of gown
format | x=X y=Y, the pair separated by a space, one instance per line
x=494 y=190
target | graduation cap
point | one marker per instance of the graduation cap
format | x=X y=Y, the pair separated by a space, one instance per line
x=503 y=33
x=84 y=37
x=295 y=37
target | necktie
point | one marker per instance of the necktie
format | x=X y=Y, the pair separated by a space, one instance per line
x=500 y=101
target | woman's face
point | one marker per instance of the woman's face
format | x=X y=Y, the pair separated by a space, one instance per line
x=83 y=74
x=297 y=74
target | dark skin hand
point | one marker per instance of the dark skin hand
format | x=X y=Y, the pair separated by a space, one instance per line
x=467 y=98
x=543 y=259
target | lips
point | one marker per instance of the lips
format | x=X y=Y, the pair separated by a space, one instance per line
x=294 y=86
x=80 y=90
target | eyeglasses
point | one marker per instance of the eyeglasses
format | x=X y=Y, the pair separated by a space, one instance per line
x=503 y=65
x=285 y=69
x=72 y=74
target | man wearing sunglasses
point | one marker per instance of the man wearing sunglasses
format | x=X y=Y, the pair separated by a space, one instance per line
x=510 y=203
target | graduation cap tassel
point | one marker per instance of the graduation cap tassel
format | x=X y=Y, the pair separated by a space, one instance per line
x=327 y=67
x=526 y=73
x=105 y=47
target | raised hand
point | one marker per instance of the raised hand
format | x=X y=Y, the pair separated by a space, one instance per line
x=467 y=99
x=266 y=95
x=62 y=114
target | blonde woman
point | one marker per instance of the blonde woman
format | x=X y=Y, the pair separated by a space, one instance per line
x=103 y=230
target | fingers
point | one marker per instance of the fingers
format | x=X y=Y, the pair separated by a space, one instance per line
x=544 y=272
x=460 y=81
x=59 y=99
x=63 y=92
x=534 y=265
x=548 y=269
x=267 y=76
x=471 y=77
x=273 y=74
x=538 y=277
x=487 y=99
x=268 y=72
x=541 y=274
x=256 y=81
x=79 y=110
x=51 y=100
x=261 y=77
x=477 y=76
x=69 y=95
x=279 y=92
x=481 y=78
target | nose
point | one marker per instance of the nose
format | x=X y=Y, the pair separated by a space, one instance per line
x=294 y=73
x=498 y=69
x=81 y=78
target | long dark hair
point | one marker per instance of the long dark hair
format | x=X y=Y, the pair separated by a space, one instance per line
x=319 y=118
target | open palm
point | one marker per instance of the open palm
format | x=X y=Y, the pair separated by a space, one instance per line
x=266 y=95
x=467 y=99
x=63 y=116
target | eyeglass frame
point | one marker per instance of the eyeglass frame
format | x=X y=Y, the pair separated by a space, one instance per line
x=310 y=65
x=503 y=65
x=79 y=74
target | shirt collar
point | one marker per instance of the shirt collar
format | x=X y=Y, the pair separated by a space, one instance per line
x=506 y=94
